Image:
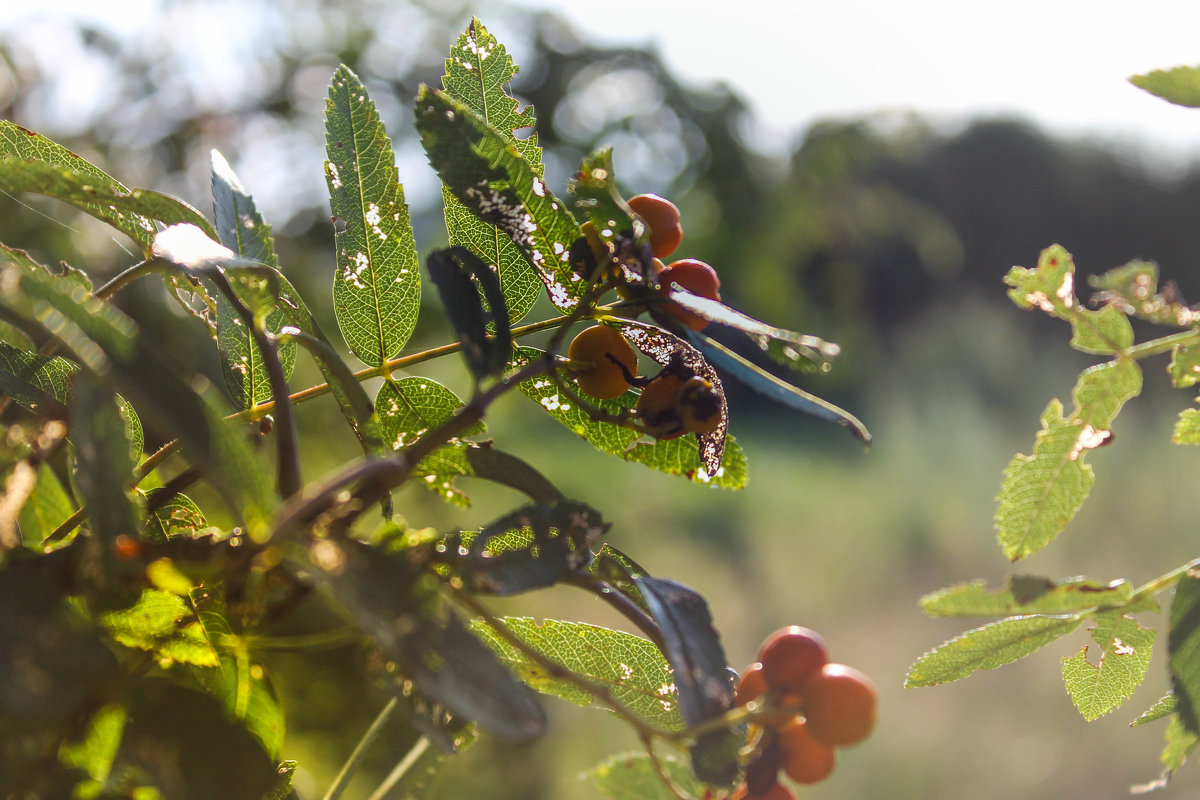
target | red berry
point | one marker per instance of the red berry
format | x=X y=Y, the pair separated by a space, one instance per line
x=805 y=760
x=698 y=278
x=839 y=705
x=791 y=657
x=662 y=217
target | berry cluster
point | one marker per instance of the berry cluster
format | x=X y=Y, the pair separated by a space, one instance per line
x=806 y=707
x=603 y=363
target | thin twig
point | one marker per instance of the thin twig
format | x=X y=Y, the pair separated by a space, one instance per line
x=401 y=769
x=347 y=771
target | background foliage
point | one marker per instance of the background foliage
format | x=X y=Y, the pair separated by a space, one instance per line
x=891 y=241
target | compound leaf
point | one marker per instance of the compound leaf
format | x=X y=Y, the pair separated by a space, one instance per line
x=1025 y=594
x=476 y=72
x=486 y=172
x=407 y=409
x=241 y=228
x=987 y=647
x=630 y=667
x=1184 y=647
x=633 y=776
x=1126 y=648
x=1042 y=492
x=377 y=286
x=1180 y=85
x=673 y=456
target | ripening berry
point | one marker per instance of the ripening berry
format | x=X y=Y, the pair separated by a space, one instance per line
x=695 y=276
x=791 y=657
x=662 y=217
x=658 y=407
x=805 y=760
x=699 y=406
x=752 y=685
x=839 y=705
x=607 y=361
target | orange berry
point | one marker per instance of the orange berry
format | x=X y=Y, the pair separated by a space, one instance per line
x=776 y=791
x=699 y=406
x=695 y=276
x=791 y=657
x=658 y=407
x=609 y=359
x=752 y=685
x=839 y=705
x=662 y=217
x=805 y=760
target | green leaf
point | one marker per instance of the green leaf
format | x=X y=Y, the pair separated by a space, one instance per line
x=95 y=752
x=1187 y=427
x=103 y=467
x=702 y=675
x=987 y=647
x=43 y=384
x=1184 y=647
x=1050 y=287
x=459 y=276
x=239 y=682
x=532 y=547
x=1165 y=706
x=242 y=229
x=178 y=516
x=494 y=181
x=107 y=342
x=632 y=776
x=618 y=571
x=46 y=508
x=632 y=668
x=131 y=212
x=1180 y=85
x=1042 y=492
x=377 y=286
x=476 y=72
x=161 y=623
x=1133 y=290
x=1184 y=368
x=1126 y=648
x=674 y=456
x=407 y=409
x=431 y=649
x=282 y=790
x=1025 y=594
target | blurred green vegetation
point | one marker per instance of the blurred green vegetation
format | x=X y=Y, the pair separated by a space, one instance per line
x=889 y=238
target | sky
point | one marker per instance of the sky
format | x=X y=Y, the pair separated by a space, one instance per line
x=1063 y=65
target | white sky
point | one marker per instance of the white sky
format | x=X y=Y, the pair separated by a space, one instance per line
x=1062 y=64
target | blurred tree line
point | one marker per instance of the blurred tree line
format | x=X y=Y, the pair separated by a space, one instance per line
x=870 y=226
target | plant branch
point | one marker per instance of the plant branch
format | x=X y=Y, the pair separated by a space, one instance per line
x=623 y=605
x=1163 y=344
x=401 y=769
x=288 y=441
x=347 y=771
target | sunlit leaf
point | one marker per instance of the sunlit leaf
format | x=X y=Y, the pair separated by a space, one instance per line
x=236 y=679
x=674 y=456
x=95 y=751
x=1050 y=287
x=630 y=667
x=1133 y=290
x=46 y=508
x=988 y=647
x=1184 y=647
x=377 y=287
x=161 y=623
x=632 y=776
x=1180 y=85
x=178 y=516
x=1042 y=492
x=477 y=71
x=1187 y=427
x=1125 y=651
x=1025 y=594
x=1165 y=706
x=494 y=181
x=407 y=409
x=241 y=228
